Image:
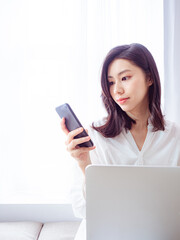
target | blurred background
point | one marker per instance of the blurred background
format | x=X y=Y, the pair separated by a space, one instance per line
x=51 y=52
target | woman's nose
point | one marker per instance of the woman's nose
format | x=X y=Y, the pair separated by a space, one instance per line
x=118 y=88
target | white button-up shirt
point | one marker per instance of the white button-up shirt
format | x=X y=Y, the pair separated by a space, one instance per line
x=160 y=148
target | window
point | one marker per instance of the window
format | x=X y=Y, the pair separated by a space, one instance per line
x=51 y=53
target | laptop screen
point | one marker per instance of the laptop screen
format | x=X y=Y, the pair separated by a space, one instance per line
x=132 y=203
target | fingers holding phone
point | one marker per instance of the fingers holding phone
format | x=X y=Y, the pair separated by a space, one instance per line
x=74 y=142
x=81 y=154
x=78 y=141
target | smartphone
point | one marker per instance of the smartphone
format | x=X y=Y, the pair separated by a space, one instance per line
x=72 y=122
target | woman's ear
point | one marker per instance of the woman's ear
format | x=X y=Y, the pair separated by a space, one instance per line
x=149 y=80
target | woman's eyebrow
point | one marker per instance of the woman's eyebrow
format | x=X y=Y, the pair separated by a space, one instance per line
x=120 y=73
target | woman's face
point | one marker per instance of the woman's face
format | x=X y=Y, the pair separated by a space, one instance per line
x=128 y=86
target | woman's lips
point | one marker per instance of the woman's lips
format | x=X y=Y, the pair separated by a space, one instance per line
x=122 y=100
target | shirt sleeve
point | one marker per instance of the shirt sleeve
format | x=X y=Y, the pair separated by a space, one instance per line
x=77 y=193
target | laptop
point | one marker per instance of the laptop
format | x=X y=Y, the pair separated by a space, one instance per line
x=132 y=203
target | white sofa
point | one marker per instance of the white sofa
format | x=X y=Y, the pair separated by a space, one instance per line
x=37 y=222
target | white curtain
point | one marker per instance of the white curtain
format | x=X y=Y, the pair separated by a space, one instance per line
x=51 y=52
x=172 y=59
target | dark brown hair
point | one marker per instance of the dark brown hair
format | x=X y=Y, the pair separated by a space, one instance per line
x=117 y=119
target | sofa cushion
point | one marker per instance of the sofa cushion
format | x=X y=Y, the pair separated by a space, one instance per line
x=59 y=231
x=20 y=230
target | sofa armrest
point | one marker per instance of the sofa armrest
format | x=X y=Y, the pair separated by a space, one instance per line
x=20 y=230
x=59 y=231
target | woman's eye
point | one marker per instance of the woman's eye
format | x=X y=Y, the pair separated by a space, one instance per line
x=125 y=78
x=110 y=83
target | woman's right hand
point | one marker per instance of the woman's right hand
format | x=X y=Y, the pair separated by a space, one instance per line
x=81 y=154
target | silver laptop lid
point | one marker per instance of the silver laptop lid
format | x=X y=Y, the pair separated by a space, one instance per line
x=132 y=203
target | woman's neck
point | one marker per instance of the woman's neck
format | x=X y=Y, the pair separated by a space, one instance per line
x=141 y=120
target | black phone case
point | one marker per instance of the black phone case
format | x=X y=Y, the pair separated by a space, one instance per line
x=72 y=122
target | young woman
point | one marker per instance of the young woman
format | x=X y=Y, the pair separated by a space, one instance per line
x=135 y=131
